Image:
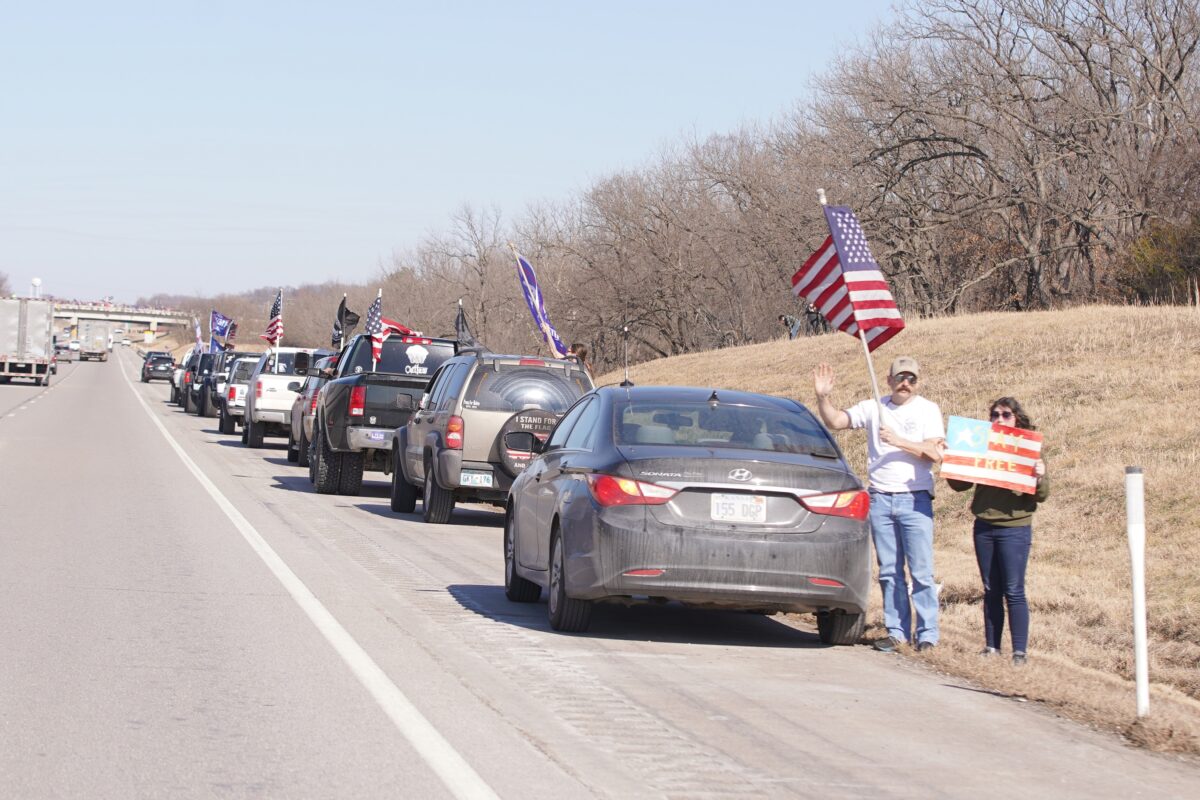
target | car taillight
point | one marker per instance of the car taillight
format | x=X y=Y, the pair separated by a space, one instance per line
x=609 y=490
x=258 y=388
x=531 y=362
x=854 y=505
x=233 y=393
x=187 y=377
x=312 y=408
x=454 y=433
x=358 y=401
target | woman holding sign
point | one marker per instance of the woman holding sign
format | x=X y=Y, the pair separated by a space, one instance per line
x=1003 y=535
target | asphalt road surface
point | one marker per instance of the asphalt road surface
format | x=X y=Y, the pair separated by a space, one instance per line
x=181 y=616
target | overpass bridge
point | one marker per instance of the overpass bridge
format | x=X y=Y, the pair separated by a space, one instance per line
x=131 y=318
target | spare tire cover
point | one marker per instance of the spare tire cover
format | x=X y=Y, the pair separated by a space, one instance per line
x=532 y=420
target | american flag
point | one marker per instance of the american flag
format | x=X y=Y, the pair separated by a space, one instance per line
x=846 y=285
x=537 y=306
x=229 y=337
x=274 y=331
x=379 y=327
x=990 y=453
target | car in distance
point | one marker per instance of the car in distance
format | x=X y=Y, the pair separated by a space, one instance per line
x=453 y=447
x=126 y=342
x=714 y=498
x=158 y=368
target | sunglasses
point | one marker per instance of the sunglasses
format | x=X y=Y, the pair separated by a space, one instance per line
x=1001 y=415
x=905 y=377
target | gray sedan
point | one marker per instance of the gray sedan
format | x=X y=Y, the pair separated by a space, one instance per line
x=711 y=497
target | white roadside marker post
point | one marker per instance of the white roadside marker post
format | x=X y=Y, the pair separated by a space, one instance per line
x=1135 y=526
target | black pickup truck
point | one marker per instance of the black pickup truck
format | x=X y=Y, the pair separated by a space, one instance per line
x=361 y=406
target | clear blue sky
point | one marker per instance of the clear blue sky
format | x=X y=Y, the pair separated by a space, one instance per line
x=198 y=147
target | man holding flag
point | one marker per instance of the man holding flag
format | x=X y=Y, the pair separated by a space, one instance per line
x=905 y=431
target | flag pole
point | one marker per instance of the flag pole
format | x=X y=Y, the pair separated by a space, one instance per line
x=275 y=344
x=862 y=337
x=378 y=297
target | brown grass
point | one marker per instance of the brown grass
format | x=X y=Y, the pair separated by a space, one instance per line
x=1108 y=387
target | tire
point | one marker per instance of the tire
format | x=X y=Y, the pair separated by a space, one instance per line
x=174 y=394
x=838 y=627
x=202 y=406
x=244 y=433
x=404 y=494
x=188 y=406
x=302 y=450
x=437 y=504
x=254 y=433
x=350 y=481
x=327 y=467
x=293 y=454
x=566 y=613
x=516 y=588
x=226 y=423
x=145 y=379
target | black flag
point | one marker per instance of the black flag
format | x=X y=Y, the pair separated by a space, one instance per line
x=344 y=323
x=462 y=333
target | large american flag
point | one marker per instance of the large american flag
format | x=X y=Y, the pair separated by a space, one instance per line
x=846 y=285
x=274 y=331
x=379 y=327
x=991 y=453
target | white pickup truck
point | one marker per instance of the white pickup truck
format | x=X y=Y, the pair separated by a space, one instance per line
x=269 y=394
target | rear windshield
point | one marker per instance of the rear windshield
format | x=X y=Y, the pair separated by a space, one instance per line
x=513 y=387
x=415 y=358
x=241 y=371
x=286 y=361
x=161 y=360
x=700 y=425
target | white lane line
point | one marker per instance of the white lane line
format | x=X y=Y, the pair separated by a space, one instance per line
x=454 y=771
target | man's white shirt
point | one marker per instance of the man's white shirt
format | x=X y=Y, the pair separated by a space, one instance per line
x=890 y=468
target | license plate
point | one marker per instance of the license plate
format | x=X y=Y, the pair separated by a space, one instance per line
x=376 y=436
x=739 y=508
x=472 y=478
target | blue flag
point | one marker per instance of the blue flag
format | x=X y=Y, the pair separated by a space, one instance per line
x=537 y=306
x=218 y=325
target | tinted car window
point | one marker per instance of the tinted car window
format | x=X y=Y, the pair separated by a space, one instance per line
x=512 y=387
x=417 y=359
x=563 y=429
x=160 y=360
x=242 y=371
x=583 y=435
x=700 y=425
x=286 y=363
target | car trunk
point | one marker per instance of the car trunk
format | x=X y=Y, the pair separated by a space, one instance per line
x=752 y=491
x=390 y=399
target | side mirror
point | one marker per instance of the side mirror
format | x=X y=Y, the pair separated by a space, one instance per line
x=294 y=386
x=523 y=442
x=302 y=363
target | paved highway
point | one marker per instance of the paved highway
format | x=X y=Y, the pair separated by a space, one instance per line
x=181 y=617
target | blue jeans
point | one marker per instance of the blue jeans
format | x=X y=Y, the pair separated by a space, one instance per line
x=1002 y=554
x=902 y=527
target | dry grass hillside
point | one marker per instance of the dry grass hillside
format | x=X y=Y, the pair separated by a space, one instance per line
x=1108 y=387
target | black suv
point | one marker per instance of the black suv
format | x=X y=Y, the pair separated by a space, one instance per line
x=158 y=367
x=199 y=367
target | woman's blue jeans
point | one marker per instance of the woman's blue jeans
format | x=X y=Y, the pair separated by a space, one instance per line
x=1003 y=554
x=902 y=527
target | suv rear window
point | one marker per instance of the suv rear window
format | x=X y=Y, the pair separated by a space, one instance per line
x=512 y=387
x=743 y=427
x=242 y=371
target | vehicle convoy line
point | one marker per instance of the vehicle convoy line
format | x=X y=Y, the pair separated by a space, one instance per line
x=452 y=769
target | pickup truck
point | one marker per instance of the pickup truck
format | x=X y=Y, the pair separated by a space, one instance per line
x=359 y=409
x=271 y=390
x=213 y=384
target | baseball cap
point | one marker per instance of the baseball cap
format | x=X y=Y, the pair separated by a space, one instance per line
x=905 y=364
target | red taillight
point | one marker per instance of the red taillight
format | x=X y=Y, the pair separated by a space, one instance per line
x=531 y=362
x=609 y=490
x=826 y=582
x=312 y=408
x=854 y=505
x=258 y=388
x=454 y=433
x=233 y=393
x=187 y=377
x=644 y=573
x=358 y=401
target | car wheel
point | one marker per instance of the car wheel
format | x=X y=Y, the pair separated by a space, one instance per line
x=516 y=588
x=225 y=423
x=404 y=494
x=838 y=627
x=327 y=467
x=350 y=481
x=437 y=504
x=566 y=613
x=202 y=406
x=188 y=406
x=174 y=394
x=254 y=433
x=293 y=454
x=302 y=450
x=145 y=379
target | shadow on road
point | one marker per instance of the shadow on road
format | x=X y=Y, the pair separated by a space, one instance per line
x=668 y=622
x=292 y=483
x=478 y=517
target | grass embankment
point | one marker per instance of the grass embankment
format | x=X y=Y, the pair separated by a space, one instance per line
x=1108 y=387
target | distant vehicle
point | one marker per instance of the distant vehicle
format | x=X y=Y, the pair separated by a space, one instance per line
x=95 y=337
x=710 y=497
x=158 y=368
x=304 y=409
x=26 y=340
x=177 y=376
x=126 y=342
x=151 y=353
x=359 y=410
x=74 y=345
x=453 y=447
x=233 y=405
x=196 y=399
x=273 y=387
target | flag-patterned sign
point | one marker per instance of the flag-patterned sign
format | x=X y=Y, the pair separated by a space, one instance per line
x=274 y=331
x=379 y=328
x=993 y=454
x=537 y=306
x=846 y=285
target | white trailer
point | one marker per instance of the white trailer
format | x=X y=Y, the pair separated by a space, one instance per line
x=95 y=339
x=26 y=339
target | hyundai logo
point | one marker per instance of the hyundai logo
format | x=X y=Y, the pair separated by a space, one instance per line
x=740 y=474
